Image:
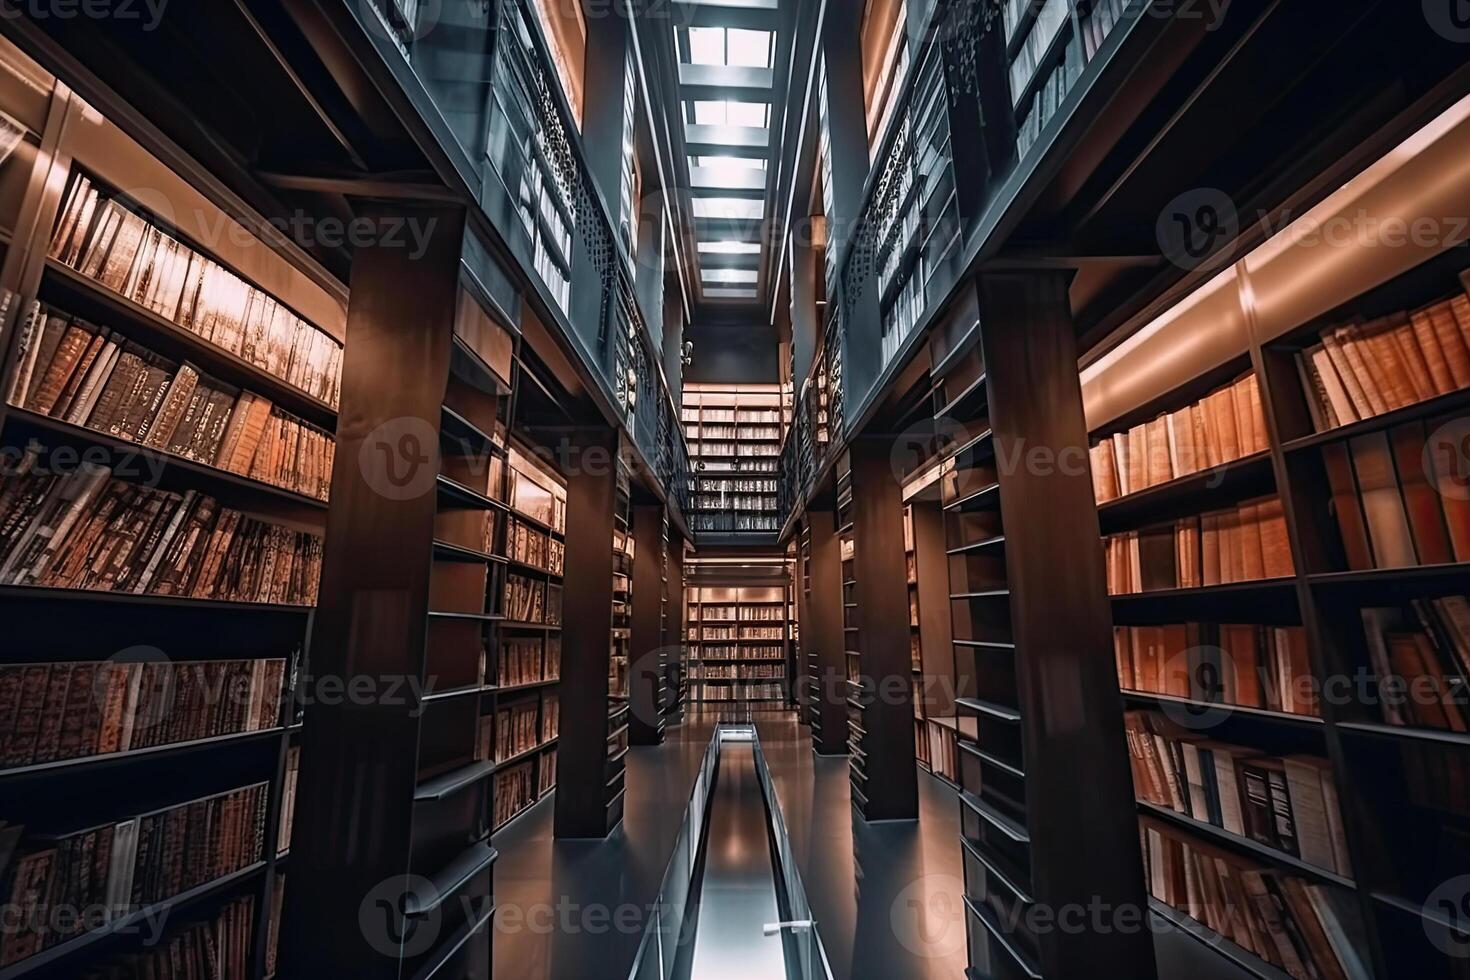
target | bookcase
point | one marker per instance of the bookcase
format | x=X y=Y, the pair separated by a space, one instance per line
x=525 y=695
x=734 y=434
x=646 y=676
x=1336 y=667
x=931 y=650
x=674 y=643
x=1028 y=608
x=167 y=486
x=738 y=638
x=810 y=689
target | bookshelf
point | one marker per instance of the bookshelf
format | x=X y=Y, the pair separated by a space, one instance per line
x=810 y=691
x=1027 y=608
x=931 y=650
x=675 y=655
x=525 y=699
x=619 y=704
x=646 y=681
x=734 y=434
x=1360 y=361
x=122 y=729
x=738 y=637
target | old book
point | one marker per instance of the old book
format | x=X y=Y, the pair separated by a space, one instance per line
x=1120 y=456
x=1156 y=439
x=1383 y=503
x=1414 y=359
x=1452 y=327
x=1370 y=361
x=1386 y=364
x=171 y=411
x=1430 y=348
x=1314 y=392
x=1188 y=457
x=1293 y=893
x=1347 y=506
x=69 y=351
x=1345 y=350
x=1277 y=561
x=79 y=407
x=1138 y=467
x=1340 y=405
x=1252 y=560
x=1220 y=412
x=1211 y=567
x=1450 y=478
x=1421 y=500
x=78 y=375
x=1304 y=776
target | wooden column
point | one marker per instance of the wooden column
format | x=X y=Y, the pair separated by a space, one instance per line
x=826 y=635
x=644 y=727
x=882 y=596
x=1079 y=797
x=359 y=760
x=582 y=754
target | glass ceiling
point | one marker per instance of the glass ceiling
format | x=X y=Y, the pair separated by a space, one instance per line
x=726 y=76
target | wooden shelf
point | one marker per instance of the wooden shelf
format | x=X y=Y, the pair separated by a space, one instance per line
x=1243 y=478
x=1244 y=844
x=89 y=765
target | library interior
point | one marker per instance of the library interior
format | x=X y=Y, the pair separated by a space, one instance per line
x=698 y=489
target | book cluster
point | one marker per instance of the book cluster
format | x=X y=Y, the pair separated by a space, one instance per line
x=515 y=730
x=1250 y=666
x=1238 y=544
x=550 y=717
x=1300 y=927
x=70 y=710
x=530 y=546
x=548 y=773
x=1428 y=638
x=120 y=867
x=100 y=380
x=529 y=600
x=515 y=789
x=521 y=661
x=1362 y=369
x=1224 y=426
x=85 y=530
x=1289 y=804
x=132 y=256
x=217 y=948
x=1399 y=496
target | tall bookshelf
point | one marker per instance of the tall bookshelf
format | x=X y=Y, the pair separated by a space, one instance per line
x=1028 y=608
x=175 y=750
x=737 y=643
x=734 y=434
x=526 y=697
x=810 y=668
x=619 y=710
x=1367 y=473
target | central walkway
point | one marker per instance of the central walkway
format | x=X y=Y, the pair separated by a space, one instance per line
x=886 y=896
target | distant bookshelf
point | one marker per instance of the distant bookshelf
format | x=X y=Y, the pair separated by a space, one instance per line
x=734 y=434
x=737 y=642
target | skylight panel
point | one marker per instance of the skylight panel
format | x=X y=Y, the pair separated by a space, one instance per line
x=707 y=45
x=730 y=248
x=749 y=49
x=736 y=208
x=731 y=276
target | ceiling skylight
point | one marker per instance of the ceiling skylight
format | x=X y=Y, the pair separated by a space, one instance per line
x=730 y=113
x=730 y=277
x=736 y=208
x=730 y=248
x=731 y=46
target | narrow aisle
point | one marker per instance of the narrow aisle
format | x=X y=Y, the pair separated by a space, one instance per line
x=886 y=896
x=737 y=897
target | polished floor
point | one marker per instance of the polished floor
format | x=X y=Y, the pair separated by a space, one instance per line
x=886 y=896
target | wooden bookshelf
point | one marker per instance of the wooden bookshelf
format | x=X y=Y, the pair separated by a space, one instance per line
x=68 y=773
x=738 y=637
x=1026 y=594
x=734 y=435
x=1389 y=759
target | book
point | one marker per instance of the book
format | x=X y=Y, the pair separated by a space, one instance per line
x=1247 y=542
x=1226 y=425
x=127 y=253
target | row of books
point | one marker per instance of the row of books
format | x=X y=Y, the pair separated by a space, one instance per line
x=736 y=486
x=708 y=653
x=516 y=730
x=84 y=530
x=515 y=789
x=524 y=661
x=1289 y=804
x=1359 y=370
x=1303 y=928
x=744 y=672
x=1239 y=664
x=708 y=612
x=550 y=717
x=69 y=710
x=273 y=926
x=215 y=949
x=95 y=378
x=528 y=600
x=1428 y=638
x=1238 y=544
x=741 y=692
x=761 y=632
x=530 y=546
x=1399 y=496
x=546 y=777
x=288 y=799
x=123 y=866
x=131 y=255
x=1225 y=425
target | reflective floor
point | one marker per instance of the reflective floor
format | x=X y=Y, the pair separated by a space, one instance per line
x=886 y=896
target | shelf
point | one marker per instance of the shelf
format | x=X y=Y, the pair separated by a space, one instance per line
x=120 y=449
x=177 y=343
x=1263 y=587
x=534 y=569
x=89 y=764
x=449 y=880
x=453 y=425
x=983 y=499
x=1439 y=405
x=1381 y=730
x=535 y=522
x=525 y=754
x=128 y=924
x=33 y=593
x=984 y=644
x=457 y=495
x=479 y=617
x=1199 y=932
x=1370 y=583
x=452 y=782
x=1224 y=837
x=990 y=709
x=521 y=624
x=527 y=686
x=1265 y=714
x=1001 y=937
x=444 y=551
x=995 y=818
x=999 y=539
x=1249 y=476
